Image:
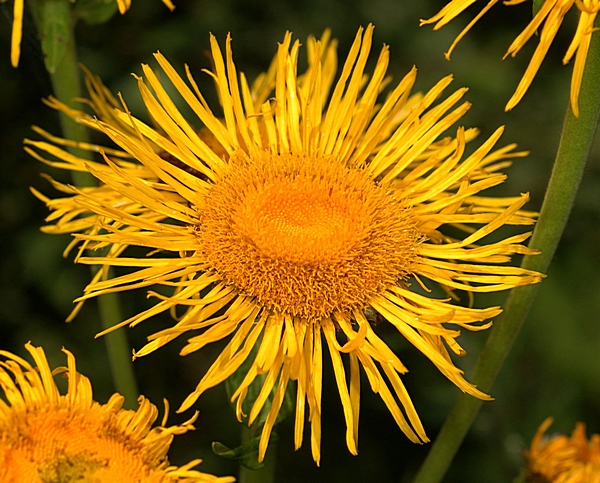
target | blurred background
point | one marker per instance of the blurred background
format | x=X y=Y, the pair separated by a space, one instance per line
x=554 y=369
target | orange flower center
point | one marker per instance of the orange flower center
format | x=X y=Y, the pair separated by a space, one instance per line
x=302 y=220
x=305 y=236
x=54 y=444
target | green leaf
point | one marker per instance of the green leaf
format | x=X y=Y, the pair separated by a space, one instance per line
x=522 y=477
x=94 y=12
x=245 y=454
x=55 y=30
x=537 y=4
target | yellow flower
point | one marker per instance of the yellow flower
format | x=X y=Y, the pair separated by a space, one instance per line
x=560 y=459
x=551 y=14
x=17 y=27
x=298 y=215
x=48 y=436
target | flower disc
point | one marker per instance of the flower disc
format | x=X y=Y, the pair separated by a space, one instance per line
x=72 y=444
x=306 y=237
x=49 y=437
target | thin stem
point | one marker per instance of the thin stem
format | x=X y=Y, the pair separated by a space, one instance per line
x=66 y=82
x=266 y=474
x=119 y=350
x=575 y=143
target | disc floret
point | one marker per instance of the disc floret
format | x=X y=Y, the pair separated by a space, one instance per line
x=306 y=236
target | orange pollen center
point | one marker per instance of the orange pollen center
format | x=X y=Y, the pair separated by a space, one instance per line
x=305 y=236
x=301 y=221
x=56 y=443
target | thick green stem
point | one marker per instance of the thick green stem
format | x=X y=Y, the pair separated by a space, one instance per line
x=575 y=143
x=55 y=24
x=56 y=28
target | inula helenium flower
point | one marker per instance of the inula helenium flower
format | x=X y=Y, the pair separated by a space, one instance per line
x=46 y=436
x=560 y=459
x=17 y=26
x=300 y=217
x=551 y=15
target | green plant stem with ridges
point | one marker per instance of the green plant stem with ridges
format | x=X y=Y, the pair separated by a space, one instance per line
x=66 y=82
x=573 y=151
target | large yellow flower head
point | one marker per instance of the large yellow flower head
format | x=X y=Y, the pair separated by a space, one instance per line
x=47 y=436
x=305 y=212
x=551 y=15
x=17 y=26
x=560 y=459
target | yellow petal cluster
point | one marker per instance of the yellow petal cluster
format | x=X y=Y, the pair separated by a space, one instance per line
x=293 y=222
x=546 y=22
x=560 y=459
x=49 y=436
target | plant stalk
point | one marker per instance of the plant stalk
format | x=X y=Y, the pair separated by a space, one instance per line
x=573 y=151
x=266 y=474
x=56 y=24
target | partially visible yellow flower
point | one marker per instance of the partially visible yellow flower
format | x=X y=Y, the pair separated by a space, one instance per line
x=551 y=14
x=560 y=459
x=46 y=436
x=295 y=221
x=17 y=32
x=17 y=27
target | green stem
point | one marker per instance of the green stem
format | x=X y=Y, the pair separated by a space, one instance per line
x=266 y=474
x=119 y=350
x=575 y=143
x=55 y=24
